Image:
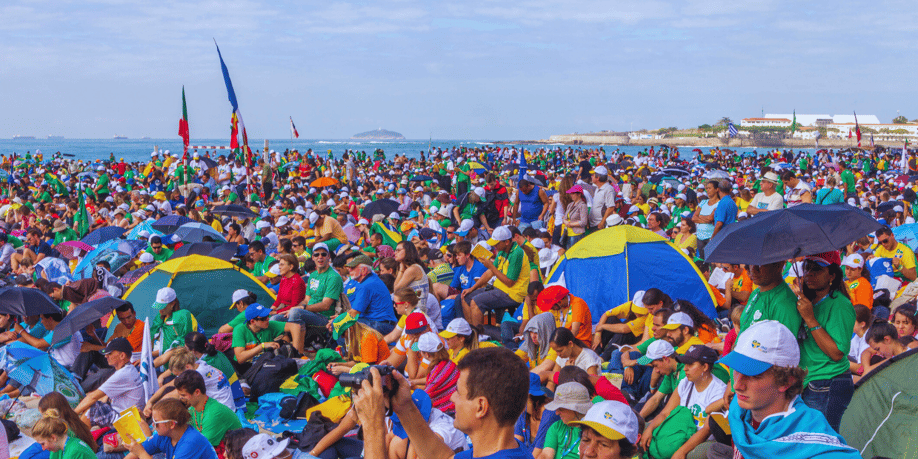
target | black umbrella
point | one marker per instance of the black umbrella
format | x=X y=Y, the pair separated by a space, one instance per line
x=382 y=206
x=420 y=178
x=106 y=233
x=170 y=223
x=132 y=276
x=675 y=171
x=234 y=210
x=208 y=162
x=884 y=207
x=24 y=301
x=223 y=251
x=84 y=315
x=781 y=235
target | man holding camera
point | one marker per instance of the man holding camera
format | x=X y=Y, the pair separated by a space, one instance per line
x=490 y=396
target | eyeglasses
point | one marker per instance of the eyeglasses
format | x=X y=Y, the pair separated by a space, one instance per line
x=155 y=422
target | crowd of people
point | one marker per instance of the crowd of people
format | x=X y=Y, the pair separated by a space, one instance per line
x=430 y=277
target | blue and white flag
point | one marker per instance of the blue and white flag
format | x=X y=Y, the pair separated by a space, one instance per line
x=732 y=130
x=147 y=370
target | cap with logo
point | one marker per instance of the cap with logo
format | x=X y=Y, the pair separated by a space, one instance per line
x=677 y=319
x=164 y=296
x=657 y=350
x=763 y=345
x=855 y=260
x=699 y=353
x=255 y=311
x=500 y=234
x=458 y=326
x=611 y=419
x=416 y=322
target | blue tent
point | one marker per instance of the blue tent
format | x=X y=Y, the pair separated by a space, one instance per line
x=607 y=267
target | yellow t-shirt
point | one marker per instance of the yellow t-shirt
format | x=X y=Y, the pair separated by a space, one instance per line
x=901 y=251
x=689 y=343
x=552 y=355
x=637 y=324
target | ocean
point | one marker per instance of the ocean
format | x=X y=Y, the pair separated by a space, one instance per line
x=139 y=149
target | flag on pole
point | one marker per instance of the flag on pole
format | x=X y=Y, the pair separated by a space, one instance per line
x=793 y=125
x=147 y=370
x=237 y=123
x=82 y=216
x=293 y=129
x=904 y=162
x=732 y=130
x=183 y=123
x=857 y=129
x=523 y=165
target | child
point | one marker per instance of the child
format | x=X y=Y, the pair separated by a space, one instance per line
x=859 y=288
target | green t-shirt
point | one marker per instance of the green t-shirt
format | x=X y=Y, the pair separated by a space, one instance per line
x=836 y=316
x=847 y=178
x=642 y=348
x=74 y=448
x=324 y=285
x=214 y=421
x=262 y=267
x=162 y=256
x=244 y=337
x=564 y=439
x=238 y=320
x=515 y=263
x=171 y=333
x=67 y=235
x=468 y=211
x=460 y=178
x=103 y=183
x=779 y=304
x=221 y=362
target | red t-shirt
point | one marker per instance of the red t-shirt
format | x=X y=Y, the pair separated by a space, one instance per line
x=291 y=292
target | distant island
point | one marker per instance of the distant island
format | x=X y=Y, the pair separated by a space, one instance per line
x=379 y=134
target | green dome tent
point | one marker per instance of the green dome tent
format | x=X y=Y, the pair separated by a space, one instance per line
x=203 y=285
x=883 y=414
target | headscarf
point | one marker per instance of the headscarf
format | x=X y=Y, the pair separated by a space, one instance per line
x=544 y=325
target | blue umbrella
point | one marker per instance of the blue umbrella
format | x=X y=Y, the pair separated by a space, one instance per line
x=781 y=235
x=24 y=301
x=106 y=233
x=116 y=252
x=907 y=234
x=170 y=223
x=196 y=231
x=44 y=375
x=15 y=352
x=144 y=226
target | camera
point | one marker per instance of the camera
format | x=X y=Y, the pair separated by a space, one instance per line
x=354 y=380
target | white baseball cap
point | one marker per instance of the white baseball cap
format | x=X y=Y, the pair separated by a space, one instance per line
x=240 y=294
x=657 y=350
x=146 y=257
x=465 y=227
x=855 y=260
x=458 y=326
x=677 y=319
x=262 y=224
x=320 y=246
x=611 y=419
x=264 y=446
x=500 y=234
x=763 y=345
x=164 y=296
x=428 y=342
x=480 y=192
x=601 y=170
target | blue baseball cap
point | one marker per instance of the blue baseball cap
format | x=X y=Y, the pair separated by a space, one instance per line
x=255 y=310
x=422 y=401
x=535 y=385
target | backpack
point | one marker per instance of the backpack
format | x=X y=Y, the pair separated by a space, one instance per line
x=268 y=373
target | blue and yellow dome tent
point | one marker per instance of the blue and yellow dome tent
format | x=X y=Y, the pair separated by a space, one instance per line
x=203 y=285
x=607 y=267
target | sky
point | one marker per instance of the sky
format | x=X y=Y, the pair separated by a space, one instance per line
x=475 y=69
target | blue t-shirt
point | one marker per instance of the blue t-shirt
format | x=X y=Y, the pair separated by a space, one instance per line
x=192 y=445
x=516 y=453
x=464 y=278
x=349 y=287
x=373 y=300
x=522 y=429
x=725 y=211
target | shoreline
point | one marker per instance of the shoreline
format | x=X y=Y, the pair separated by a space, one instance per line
x=613 y=140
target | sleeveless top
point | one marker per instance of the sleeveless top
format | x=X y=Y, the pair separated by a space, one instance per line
x=422 y=288
x=530 y=205
x=704 y=231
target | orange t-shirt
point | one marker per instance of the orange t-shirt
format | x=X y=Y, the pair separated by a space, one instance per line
x=372 y=349
x=135 y=337
x=578 y=312
x=743 y=283
x=860 y=292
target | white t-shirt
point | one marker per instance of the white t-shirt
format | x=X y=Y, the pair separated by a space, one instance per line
x=217 y=384
x=858 y=346
x=773 y=202
x=696 y=401
x=67 y=353
x=442 y=425
x=124 y=388
x=794 y=196
x=433 y=311
x=587 y=358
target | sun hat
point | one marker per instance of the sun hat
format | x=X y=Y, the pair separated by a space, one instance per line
x=164 y=296
x=571 y=396
x=263 y=446
x=255 y=310
x=677 y=319
x=614 y=220
x=550 y=297
x=59 y=226
x=771 y=177
x=262 y=225
x=657 y=350
x=457 y=326
x=698 y=353
x=763 y=345
x=611 y=419
x=428 y=342
x=500 y=234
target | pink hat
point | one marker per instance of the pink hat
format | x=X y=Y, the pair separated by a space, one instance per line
x=576 y=189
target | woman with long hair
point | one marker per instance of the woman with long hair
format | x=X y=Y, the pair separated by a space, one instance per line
x=575 y=216
x=292 y=289
x=56 y=401
x=572 y=351
x=828 y=317
x=560 y=200
x=53 y=433
x=411 y=272
x=706 y=328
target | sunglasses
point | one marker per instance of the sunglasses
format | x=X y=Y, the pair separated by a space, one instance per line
x=884 y=241
x=319 y=254
x=156 y=246
x=155 y=422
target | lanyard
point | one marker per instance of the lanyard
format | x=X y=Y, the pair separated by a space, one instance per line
x=574 y=442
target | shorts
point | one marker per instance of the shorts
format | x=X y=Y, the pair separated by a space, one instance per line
x=102 y=414
x=491 y=299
